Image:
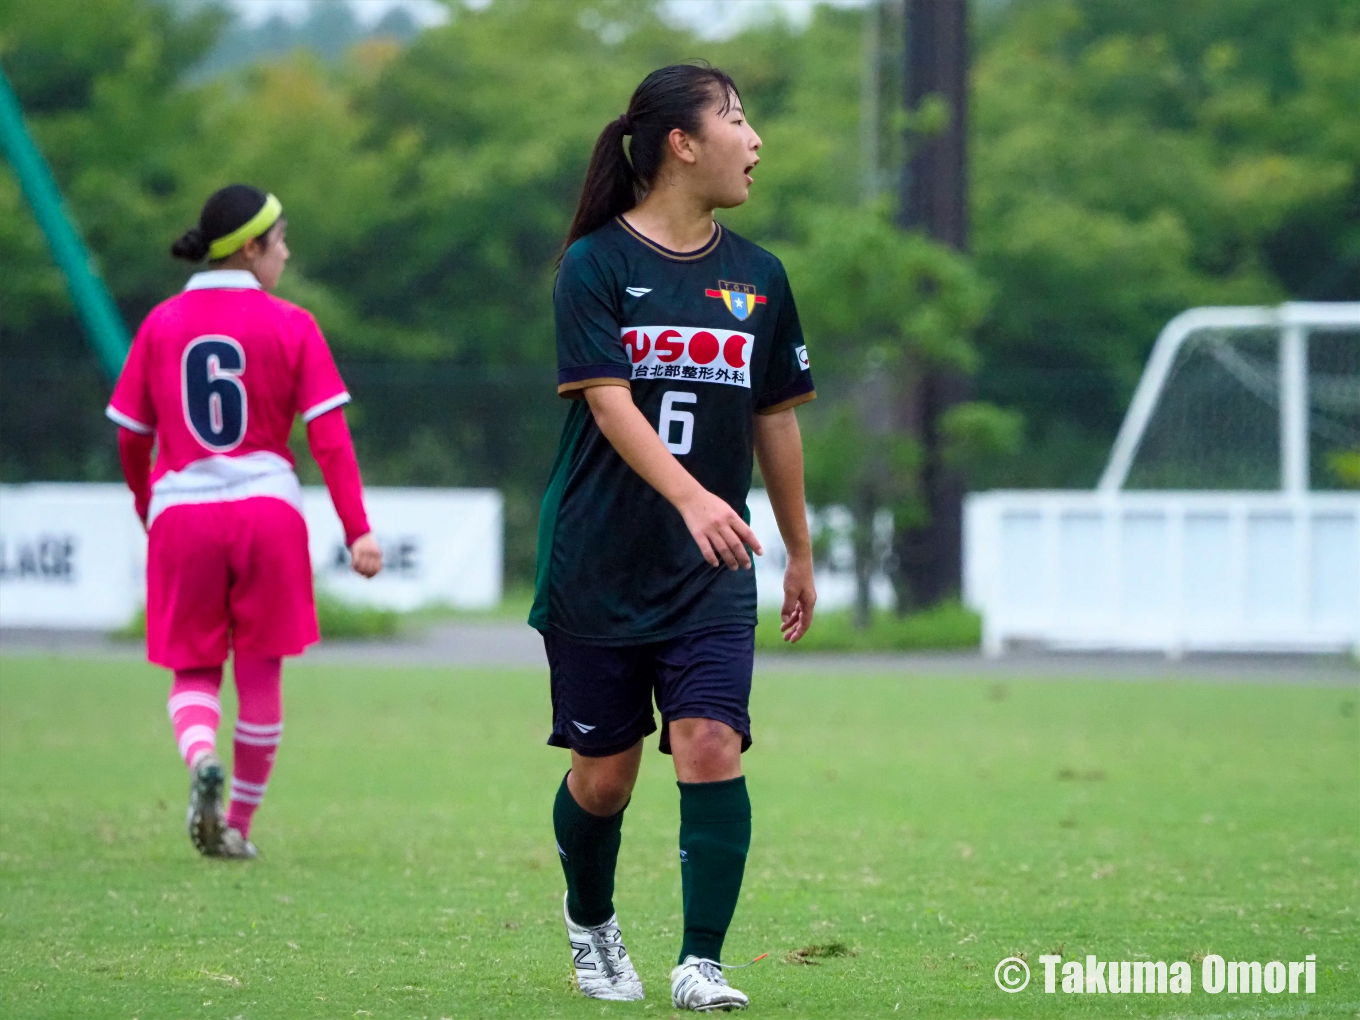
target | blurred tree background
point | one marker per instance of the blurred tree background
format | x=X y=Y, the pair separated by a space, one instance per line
x=1130 y=158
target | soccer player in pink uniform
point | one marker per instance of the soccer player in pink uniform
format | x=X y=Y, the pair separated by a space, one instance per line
x=214 y=380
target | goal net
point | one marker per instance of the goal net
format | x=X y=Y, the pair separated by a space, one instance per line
x=1216 y=423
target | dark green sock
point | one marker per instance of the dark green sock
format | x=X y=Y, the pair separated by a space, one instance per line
x=715 y=833
x=589 y=848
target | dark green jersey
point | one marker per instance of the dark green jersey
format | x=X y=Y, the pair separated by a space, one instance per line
x=705 y=340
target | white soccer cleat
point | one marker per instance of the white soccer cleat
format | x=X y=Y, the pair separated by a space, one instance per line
x=236 y=847
x=699 y=985
x=603 y=968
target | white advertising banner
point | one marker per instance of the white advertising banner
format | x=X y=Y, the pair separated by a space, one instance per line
x=73 y=556
x=439 y=546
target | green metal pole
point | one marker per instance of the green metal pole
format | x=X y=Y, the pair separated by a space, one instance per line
x=103 y=325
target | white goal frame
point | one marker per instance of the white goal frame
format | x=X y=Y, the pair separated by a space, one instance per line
x=1294 y=321
x=1178 y=571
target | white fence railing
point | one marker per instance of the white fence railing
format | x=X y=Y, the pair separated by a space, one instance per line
x=1168 y=571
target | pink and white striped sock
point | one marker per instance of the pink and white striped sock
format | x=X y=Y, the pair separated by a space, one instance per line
x=259 y=729
x=195 y=711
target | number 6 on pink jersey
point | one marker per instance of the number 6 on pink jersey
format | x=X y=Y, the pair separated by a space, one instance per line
x=213 y=395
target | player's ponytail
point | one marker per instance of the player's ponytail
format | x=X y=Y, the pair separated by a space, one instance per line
x=668 y=98
x=229 y=218
x=192 y=246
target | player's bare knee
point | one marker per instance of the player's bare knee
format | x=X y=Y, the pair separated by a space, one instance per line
x=603 y=785
x=704 y=734
x=607 y=793
x=706 y=750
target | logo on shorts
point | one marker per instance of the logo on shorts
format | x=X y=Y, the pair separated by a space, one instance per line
x=740 y=298
x=638 y=291
x=582 y=726
x=802 y=354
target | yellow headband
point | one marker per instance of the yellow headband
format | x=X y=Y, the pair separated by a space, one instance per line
x=264 y=219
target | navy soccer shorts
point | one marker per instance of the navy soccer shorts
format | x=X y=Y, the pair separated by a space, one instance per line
x=602 y=695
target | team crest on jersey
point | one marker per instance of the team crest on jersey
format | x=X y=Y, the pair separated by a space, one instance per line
x=740 y=298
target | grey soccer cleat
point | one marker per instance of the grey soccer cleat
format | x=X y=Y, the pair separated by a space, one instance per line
x=699 y=985
x=602 y=967
x=236 y=847
x=204 y=821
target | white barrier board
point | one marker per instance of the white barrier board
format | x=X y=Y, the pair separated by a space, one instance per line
x=439 y=545
x=73 y=556
x=1168 y=571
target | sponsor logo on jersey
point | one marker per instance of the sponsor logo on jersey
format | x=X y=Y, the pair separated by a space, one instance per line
x=740 y=298
x=694 y=355
x=803 y=362
x=638 y=291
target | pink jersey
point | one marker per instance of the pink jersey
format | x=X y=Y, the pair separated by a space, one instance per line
x=218 y=373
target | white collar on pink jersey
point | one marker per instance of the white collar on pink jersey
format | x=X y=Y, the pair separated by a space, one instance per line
x=223 y=279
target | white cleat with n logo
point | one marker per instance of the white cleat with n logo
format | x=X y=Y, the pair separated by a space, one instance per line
x=603 y=967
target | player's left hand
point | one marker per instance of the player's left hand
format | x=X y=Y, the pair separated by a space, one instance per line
x=366 y=555
x=800 y=595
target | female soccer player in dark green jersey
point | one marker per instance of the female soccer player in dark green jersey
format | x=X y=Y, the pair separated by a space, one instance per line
x=680 y=344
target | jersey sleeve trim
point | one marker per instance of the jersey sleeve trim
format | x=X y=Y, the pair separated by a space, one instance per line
x=317 y=410
x=582 y=377
x=128 y=422
x=800 y=391
x=802 y=398
x=576 y=390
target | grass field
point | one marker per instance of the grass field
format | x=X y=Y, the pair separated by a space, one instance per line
x=947 y=626
x=929 y=827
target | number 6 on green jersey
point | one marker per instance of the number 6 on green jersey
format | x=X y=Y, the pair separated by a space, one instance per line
x=670 y=416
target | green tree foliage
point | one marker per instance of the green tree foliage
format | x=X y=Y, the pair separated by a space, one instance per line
x=1130 y=158
x=868 y=291
x=495 y=117
x=979 y=436
x=1136 y=157
x=329 y=30
x=881 y=306
x=98 y=83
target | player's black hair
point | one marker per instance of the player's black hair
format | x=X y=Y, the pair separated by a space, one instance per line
x=668 y=98
x=224 y=211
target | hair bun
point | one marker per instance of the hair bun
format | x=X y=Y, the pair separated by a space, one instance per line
x=192 y=246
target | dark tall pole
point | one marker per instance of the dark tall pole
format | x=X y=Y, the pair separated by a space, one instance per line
x=935 y=199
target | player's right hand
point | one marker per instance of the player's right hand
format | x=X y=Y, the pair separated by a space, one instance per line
x=719 y=532
x=366 y=555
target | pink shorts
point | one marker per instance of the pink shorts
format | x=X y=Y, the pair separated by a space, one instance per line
x=222 y=575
